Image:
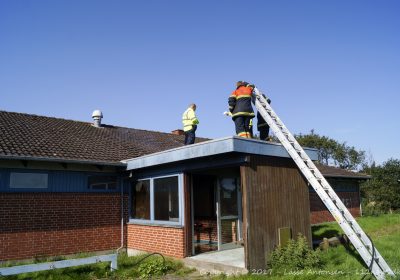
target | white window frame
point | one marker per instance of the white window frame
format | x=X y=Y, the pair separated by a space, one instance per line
x=107 y=184
x=152 y=221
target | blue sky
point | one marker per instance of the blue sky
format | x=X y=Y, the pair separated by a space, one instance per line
x=331 y=66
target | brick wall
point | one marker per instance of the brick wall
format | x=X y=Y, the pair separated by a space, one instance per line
x=205 y=230
x=51 y=224
x=168 y=241
x=319 y=213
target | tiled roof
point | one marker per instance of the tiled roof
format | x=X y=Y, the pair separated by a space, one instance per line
x=32 y=136
x=330 y=171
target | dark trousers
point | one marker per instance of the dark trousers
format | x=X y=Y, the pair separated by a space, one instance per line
x=264 y=131
x=242 y=124
x=190 y=136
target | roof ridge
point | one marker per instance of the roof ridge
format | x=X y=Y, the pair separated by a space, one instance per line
x=35 y=115
x=86 y=122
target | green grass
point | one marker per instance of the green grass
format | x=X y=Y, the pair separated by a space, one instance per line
x=128 y=268
x=344 y=262
x=384 y=231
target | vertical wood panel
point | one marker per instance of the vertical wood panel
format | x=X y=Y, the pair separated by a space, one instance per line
x=275 y=195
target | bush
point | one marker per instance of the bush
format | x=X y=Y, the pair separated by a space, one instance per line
x=153 y=267
x=296 y=255
x=375 y=208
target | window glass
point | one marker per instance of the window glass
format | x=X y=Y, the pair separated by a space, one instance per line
x=101 y=182
x=28 y=180
x=203 y=197
x=228 y=197
x=166 y=199
x=141 y=200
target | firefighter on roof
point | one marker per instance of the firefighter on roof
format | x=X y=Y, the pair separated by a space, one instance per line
x=241 y=109
x=262 y=125
x=190 y=122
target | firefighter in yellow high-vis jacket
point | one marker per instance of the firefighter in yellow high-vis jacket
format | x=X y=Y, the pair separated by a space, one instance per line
x=190 y=122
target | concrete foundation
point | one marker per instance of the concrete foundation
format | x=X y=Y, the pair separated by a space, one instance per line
x=230 y=262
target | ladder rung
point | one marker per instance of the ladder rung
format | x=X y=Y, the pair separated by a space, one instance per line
x=305 y=158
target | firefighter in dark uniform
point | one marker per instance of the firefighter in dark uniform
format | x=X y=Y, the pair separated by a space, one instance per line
x=262 y=126
x=241 y=109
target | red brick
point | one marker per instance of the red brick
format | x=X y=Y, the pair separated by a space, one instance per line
x=165 y=240
x=50 y=224
x=320 y=214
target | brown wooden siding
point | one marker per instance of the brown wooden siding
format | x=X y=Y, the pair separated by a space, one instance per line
x=275 y=195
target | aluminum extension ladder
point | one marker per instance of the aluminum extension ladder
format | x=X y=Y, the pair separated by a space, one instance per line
x=375 y=262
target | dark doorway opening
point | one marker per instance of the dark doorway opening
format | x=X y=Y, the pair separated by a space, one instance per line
x=217 y=211
x=205 y=233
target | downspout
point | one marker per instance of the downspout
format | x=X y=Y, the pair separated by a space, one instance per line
x=122 y=215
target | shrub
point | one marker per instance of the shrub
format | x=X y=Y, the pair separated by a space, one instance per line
x=375 y=208
x=295 y=255
x=153 y=267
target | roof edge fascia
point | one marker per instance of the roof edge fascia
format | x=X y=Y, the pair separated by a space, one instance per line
x=61 y=160
x=210 y=148
x=179 y=148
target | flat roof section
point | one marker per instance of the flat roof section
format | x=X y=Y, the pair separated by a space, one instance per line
x=214 y=147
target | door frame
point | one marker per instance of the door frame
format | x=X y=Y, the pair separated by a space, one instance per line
x=239 y=216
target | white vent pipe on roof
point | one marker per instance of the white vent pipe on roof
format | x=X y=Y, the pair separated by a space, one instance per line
x=97 y=115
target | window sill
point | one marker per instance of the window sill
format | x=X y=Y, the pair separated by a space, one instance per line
x=153 y=224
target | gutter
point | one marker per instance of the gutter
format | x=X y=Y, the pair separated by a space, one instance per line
x=60 y=160
x=365 y=177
